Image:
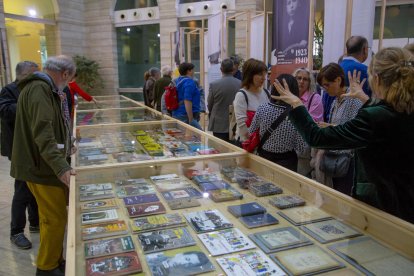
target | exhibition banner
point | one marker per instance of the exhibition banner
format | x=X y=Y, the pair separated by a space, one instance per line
x=290 y=35
x=256 y=37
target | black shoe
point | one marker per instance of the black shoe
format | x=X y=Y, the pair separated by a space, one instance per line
x=21 y=241
x=34 y=229
x=53 y=272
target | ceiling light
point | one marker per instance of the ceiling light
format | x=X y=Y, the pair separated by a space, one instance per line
x=32 y=12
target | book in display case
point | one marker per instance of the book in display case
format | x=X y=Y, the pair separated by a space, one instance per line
x=167 y=242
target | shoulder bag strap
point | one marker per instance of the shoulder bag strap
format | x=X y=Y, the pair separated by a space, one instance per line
x=274 y=126
x=245 y=96
x=310 y=101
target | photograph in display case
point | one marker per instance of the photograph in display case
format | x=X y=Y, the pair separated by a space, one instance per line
x=372 y=258
x=329 y=231
x=226 y=241
x=306 y=260
x=303 y=215
x=207 y=221
x=110 y=246
x=165 y=239
x=279 y=239
x=183 y=261
x=119 y=264
x=157 y=222
x=249 y=263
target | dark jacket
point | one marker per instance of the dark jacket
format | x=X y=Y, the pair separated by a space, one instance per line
x=159 y=90
x=41 y=137
x=8 y=102
x=383 y=139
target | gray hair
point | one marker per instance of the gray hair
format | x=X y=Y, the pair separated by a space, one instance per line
x=227 y=66
x=166 y=70
x=60 y=64
x=24 y=68
x=312 y=83
x=153 y=71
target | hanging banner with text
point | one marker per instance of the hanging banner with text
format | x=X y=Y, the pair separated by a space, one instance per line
x=290 y=35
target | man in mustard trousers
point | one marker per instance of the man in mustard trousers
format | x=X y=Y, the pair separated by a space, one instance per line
x=41 y=147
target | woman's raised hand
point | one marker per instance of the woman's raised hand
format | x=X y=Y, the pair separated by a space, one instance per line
x=285 y=94
x=355 y=87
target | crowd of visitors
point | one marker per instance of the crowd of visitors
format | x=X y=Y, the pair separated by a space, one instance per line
x=355 y=136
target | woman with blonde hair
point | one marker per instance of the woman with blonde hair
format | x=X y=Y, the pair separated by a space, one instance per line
x=382 y=133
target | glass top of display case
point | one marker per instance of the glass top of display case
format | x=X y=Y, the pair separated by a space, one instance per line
x=112 y=144
x=106 y=98
x=111 y=116
x=106 y=104
x=229 y=209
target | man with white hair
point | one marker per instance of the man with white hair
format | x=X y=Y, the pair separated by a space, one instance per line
x=22 y=198
x=41 y=147
x=160 y=84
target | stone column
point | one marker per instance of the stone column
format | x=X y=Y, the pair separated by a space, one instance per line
x=168 y=23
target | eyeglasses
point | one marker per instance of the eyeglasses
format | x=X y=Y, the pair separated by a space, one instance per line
x=302 y=79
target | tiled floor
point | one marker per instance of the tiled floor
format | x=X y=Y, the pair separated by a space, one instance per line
x=15 y=262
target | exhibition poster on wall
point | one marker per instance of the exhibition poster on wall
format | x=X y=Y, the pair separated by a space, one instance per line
x=290 y=35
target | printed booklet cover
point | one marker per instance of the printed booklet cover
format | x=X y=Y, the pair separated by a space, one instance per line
x=225 y=194
x=226 y=241
x=279 y=239
x=306 y=260
x=183 y=203
x=99 y=204
x=183 y=261
x=258 y=220
x=134 y=190
x=157 y=222
x=182 y=193
x=104 y=229
x=329 y=230
x=303 y=215
x=110 y=246
x=132 y=181
x=132 y=200
x=264 y=189
x=287 y=201
x=165 y=239
x=249 y=263
x=119 y=264
x=99 y=216
x=246 y=209
x=207 y=220
x=146 y=209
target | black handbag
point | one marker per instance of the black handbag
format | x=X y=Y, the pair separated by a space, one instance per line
x=335 y=164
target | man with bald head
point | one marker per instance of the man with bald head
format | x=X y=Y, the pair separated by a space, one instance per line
x=41 y=147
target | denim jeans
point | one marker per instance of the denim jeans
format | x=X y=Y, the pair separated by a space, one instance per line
x=195 y=122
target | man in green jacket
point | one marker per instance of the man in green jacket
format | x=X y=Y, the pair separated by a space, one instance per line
x=41 y=147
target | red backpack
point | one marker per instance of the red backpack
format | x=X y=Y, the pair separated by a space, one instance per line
x=171 y=97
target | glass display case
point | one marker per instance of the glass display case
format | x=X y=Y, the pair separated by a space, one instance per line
x=106 y=104
x=327 y=231
x=144 y=141
x=111 y=116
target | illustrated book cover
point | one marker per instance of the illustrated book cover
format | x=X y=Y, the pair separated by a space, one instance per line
x=225 y=241
x=165 y=239
x=207 y=220
x=249 y=263
x=246 y=209
x=183 y=261
x=119 y=264
x=279 y=239
x=225 y=194
x=110 y=246
x=156 y=222
x=329 y=231
x=287 y=201
x=182 y=193
x=135 y=190
x=146 y=209
x=303 y=215
x=264 y=189
x=214 y=185
x=104 y=229
x=258 y=220
x=132 y=200
x=99 y=216
x=183 y=203
x=99 y=204
x=307 y=260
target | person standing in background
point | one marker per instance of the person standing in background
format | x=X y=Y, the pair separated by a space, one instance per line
x=236 y=71
x=41 y=147
x=221 y=95
x=160 y=85
x=22 y=199
x=155 y=74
